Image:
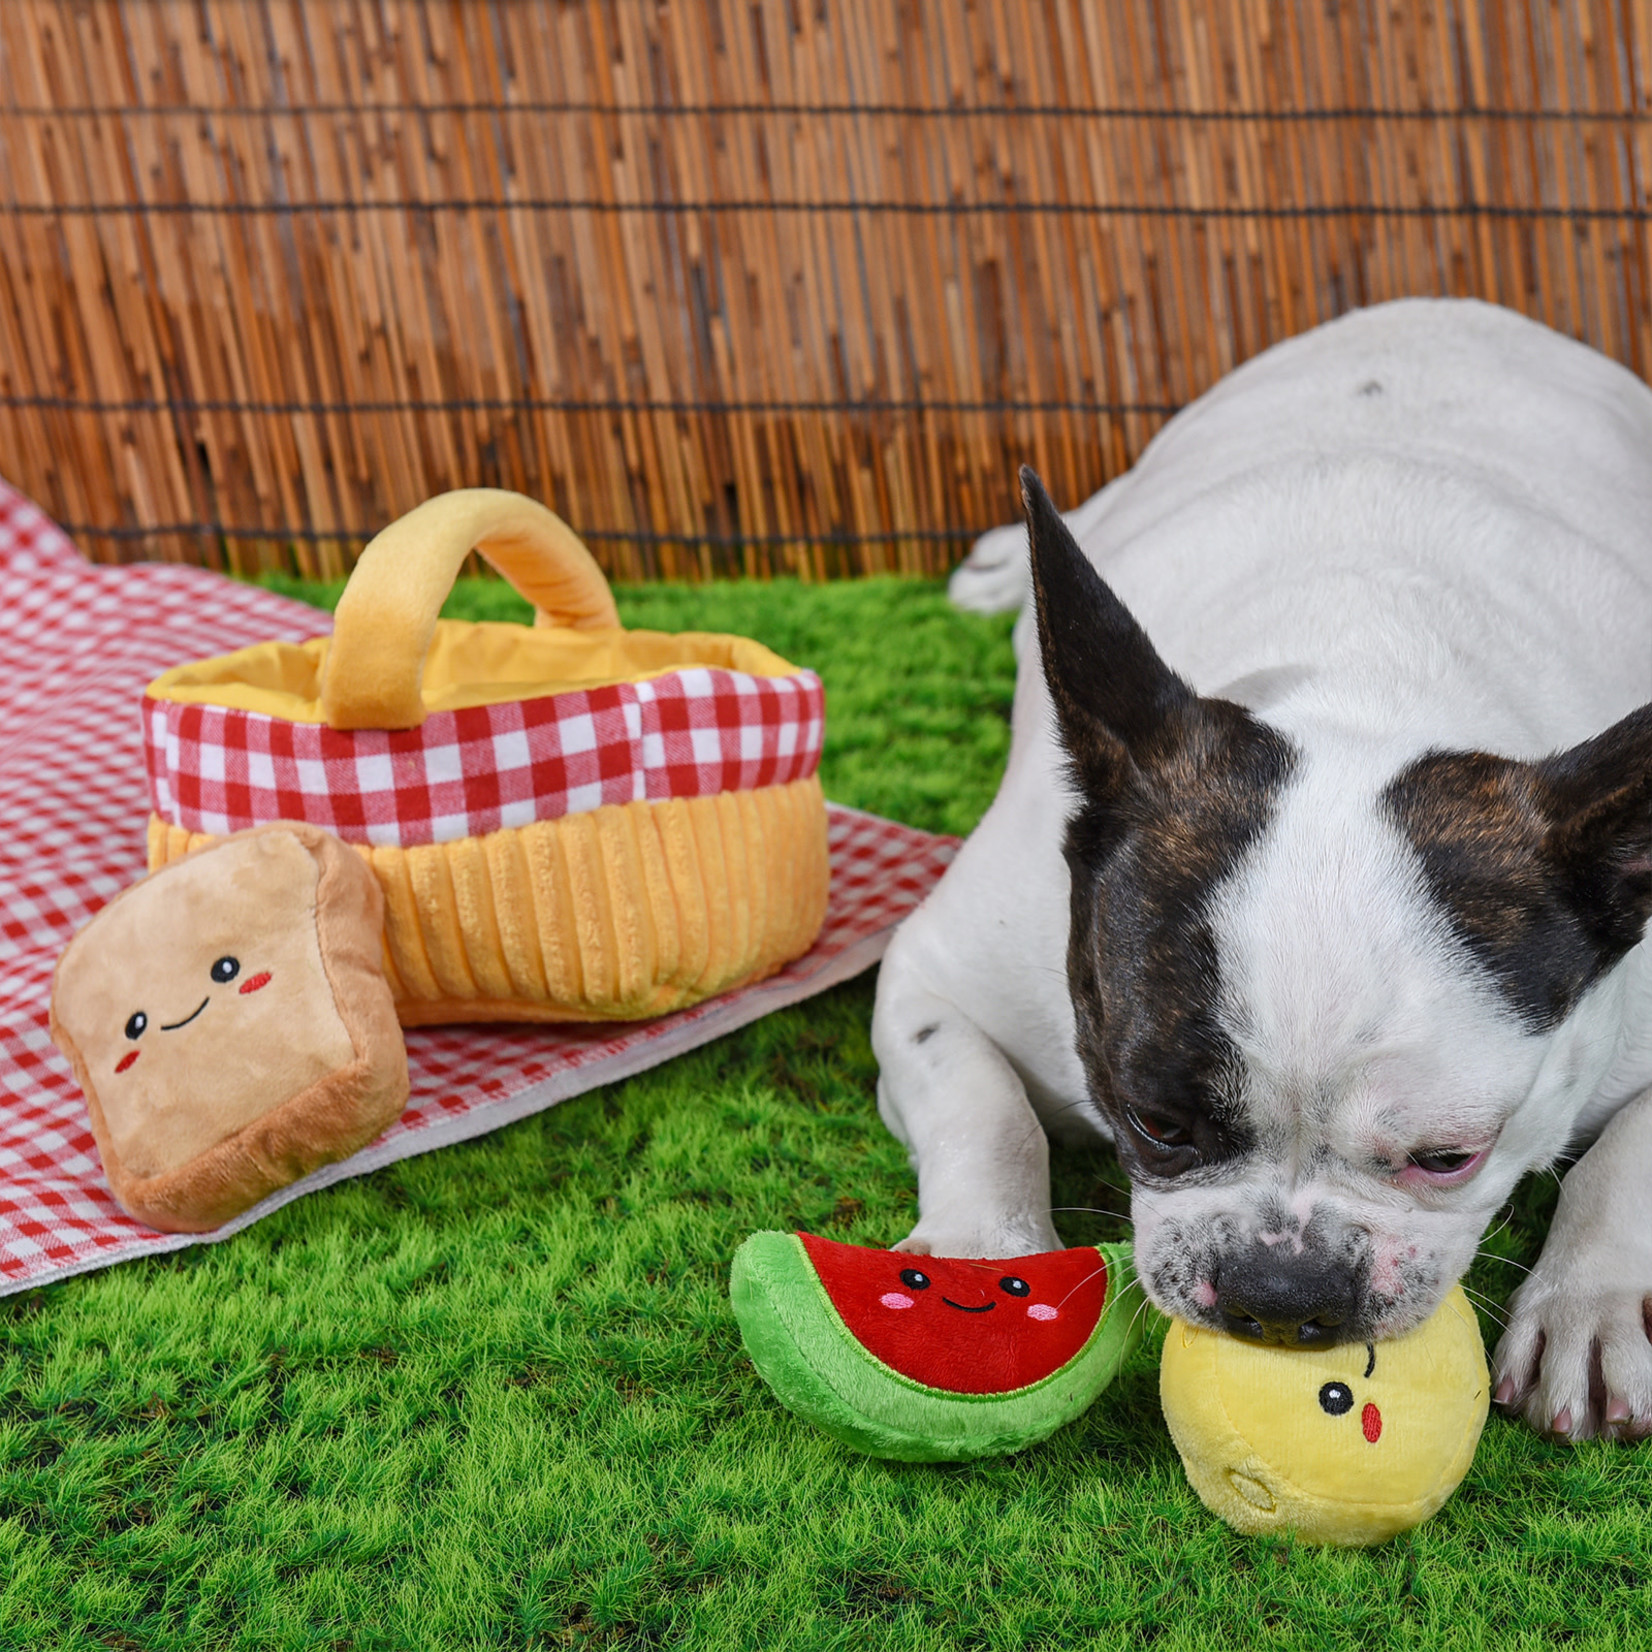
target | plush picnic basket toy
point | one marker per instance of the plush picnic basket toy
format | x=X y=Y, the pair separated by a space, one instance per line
x=570 y=821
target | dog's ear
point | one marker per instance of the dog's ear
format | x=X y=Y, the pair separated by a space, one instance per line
x=1598 y=800
x=1116 y=701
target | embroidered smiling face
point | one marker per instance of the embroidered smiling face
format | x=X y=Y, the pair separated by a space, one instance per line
x=201 y=995
x=223 y=971
x=1357 y=1431
x=964 y=1326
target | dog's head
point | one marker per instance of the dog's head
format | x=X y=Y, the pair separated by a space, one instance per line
x=1331 y=1010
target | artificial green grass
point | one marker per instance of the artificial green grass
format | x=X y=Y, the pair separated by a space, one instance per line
x=493 y=1396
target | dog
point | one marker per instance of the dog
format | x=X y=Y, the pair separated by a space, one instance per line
x=1319 y=871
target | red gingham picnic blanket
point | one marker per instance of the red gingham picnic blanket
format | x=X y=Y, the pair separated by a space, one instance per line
x=78 y=645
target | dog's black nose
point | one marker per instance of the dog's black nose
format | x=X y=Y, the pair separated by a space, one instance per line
x=1298 y=1298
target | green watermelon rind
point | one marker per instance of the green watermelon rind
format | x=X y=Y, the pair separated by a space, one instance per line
x=819 y=1369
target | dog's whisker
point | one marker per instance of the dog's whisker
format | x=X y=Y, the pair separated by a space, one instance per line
x=1065 y=1107
x=1144 y=1306
x=1493 y=1310
x=1094 y=1273
x=1039 y=1124
x=1479 y=1295
x=1509 y=1261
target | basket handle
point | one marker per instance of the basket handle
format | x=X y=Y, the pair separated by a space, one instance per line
x=387 y=615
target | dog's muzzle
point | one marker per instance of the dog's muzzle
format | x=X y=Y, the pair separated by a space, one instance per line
x=1298 y=1298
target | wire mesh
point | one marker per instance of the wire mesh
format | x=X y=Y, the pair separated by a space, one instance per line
x=746 y=289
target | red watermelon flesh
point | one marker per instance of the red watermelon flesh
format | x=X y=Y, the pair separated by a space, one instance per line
x=963 y=1326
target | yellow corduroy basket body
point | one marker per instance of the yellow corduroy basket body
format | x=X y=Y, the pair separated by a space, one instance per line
x=570 y=822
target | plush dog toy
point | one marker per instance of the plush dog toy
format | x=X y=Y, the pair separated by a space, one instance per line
x=229 y=1021
x=1350 y=1444
x=930 y=1359
x=927 y=1359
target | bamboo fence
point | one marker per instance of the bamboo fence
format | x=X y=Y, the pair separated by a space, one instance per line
x=746 y=286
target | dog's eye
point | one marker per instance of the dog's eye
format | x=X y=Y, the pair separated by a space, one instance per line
x=1441 y=1161
x=913 y=1280
x=1160 y=1128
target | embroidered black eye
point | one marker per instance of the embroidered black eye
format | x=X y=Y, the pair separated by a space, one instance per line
x=913 y=1280
x=135 y=1023
x=1160 y=1128
x=1336 y=1397
x=226 y=969
x=1441 y=1162
x=1015 y=1287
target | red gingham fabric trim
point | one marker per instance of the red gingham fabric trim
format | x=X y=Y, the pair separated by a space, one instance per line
x=464 y=773
x=77 y=646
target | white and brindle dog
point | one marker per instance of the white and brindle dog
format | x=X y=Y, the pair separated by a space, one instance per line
x=1326 y=904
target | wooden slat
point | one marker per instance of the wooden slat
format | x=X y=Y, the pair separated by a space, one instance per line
x=388 y=247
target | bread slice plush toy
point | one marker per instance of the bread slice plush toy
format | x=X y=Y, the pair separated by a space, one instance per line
x=231 y=1026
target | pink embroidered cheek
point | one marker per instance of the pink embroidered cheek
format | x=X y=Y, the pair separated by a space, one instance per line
x=1042 y=1310
x=894 y=1299
x=262 y=979
x=127 y=1060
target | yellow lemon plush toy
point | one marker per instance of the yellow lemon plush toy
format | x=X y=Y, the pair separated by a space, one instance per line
x=1349 y=1444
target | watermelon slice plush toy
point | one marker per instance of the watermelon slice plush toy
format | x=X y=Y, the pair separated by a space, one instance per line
x=930 y=1359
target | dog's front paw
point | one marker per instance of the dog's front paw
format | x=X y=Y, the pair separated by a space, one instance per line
x=1009 y=1237
x=1576 y=1361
